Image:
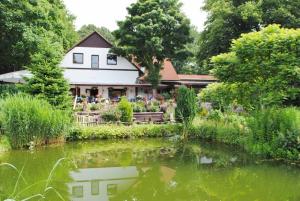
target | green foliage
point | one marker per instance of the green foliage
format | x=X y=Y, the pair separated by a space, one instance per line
x=186 y=105
x=120 y=131
x=139 y=106
x=111 y=115
x=167 y=95
x=125 y=109
x=228 y=19
x=186 y=109
x=275 y=133
x=20 y=20
x=264 y=68
x=153 y=31
x=26 y=119
x=8 y=89
x=47 y=81
x=85 y=30
x=220 y=95
x=4 y=144
x=153 y=106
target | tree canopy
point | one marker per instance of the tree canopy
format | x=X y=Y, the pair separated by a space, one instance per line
x=85 y=30
x=153 y=31
x=228 y=19
x=20 y=21
x=264 y=66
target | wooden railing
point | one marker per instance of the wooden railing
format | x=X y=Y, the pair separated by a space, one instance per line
x=94 y=118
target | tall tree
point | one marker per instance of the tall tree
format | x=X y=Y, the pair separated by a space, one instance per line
x=228 y=19
x=153 y=31
x=47 y=81
x=185 y=61
x=18 y=19
x=85 y=30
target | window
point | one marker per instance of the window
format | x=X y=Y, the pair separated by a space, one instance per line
x=77 y=191
x=111 y=59
x=78 y=58
x=95 y=187
x=95 y=61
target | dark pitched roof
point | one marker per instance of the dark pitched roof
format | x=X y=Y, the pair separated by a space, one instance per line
x=93 y=40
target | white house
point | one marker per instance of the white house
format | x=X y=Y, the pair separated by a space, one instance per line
x=92 y=70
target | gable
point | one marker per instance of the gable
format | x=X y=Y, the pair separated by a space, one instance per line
x=94 y=40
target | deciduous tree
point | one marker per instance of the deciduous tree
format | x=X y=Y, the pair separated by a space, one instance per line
x=153 y=31
x=228 y=19
x=19 y=19
x=264 y=65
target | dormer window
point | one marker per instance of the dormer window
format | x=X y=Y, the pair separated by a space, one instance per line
x=112 y=59
x=78 y=58
x=95 y=61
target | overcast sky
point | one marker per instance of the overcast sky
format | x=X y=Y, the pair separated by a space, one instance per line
x=107 y=12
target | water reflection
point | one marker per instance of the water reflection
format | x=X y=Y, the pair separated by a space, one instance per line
x=147 y=170
x=101 y=183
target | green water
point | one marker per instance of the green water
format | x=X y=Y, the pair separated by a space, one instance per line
x=146 y=170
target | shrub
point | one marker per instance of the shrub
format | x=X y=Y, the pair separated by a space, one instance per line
x=94 y=107
x=220 y=95
x=139 y=106
x=121 y=131
x=264 y=66
x=186 y=105
x=186 y=109
x=111 y=115
x=166 y=95
x=26 y=119
x=125 y=109
x=8 y=89
x=275 y=133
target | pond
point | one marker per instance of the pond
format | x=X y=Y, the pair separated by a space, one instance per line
x=138 y=170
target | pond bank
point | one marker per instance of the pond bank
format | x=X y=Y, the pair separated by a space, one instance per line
x=4 y=144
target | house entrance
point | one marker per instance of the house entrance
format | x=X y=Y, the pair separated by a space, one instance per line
x=94 y=92
x=115 y=94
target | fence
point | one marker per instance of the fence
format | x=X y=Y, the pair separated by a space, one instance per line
x=94 y=118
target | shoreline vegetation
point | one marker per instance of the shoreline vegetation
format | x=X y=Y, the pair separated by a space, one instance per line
x=269 y=133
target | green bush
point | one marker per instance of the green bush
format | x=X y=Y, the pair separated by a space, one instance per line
x=26 y=119
x=186 y=105
x=229 y=129
x=125 y=109
x=122 y=131
x=8 y=89
x=139 y=106
x=111 y=115
x=275 y=133
x=220 y=95
x=166 y=95
x=263 y=66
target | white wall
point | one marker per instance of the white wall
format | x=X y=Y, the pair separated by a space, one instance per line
x=67 y=62
x=104 y=77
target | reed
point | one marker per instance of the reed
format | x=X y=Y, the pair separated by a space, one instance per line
x=28 y=120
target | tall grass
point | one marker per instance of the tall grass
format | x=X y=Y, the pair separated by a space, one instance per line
x=275 y=133
x=18 y=192
x=27 y=119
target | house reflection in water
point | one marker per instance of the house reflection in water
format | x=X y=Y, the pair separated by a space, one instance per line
x=101 y=183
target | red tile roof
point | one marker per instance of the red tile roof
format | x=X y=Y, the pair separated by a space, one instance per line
x=168 y=72
x=196 y=77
